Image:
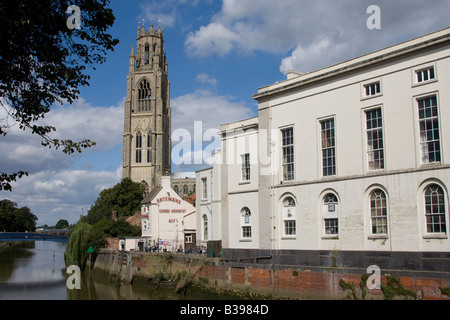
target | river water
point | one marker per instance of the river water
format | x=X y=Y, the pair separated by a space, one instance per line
x=35 y=270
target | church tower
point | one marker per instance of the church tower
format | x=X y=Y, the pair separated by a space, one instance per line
x=147 y=123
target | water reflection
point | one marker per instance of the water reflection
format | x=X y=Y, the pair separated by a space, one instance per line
x=12 y=257
x=97 y=288
x=33 y=270
x=36 y=271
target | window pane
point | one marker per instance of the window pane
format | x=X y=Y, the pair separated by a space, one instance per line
x=435 y=209
x=331 y=226
x=289 y=227
x=429 y=130
x=375 y=142
x=378 y=212
x=328 y=148
x=288 y=154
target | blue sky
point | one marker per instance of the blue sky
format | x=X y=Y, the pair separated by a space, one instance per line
x=219 y=53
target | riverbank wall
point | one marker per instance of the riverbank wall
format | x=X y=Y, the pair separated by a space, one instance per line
x=9 y=244
x=253 y=280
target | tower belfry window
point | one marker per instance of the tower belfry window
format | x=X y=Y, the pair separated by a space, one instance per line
x=138 y=147
x=144 y=96
x=147 y=54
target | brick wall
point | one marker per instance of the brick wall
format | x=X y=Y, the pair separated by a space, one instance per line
x=286 y=282
x=112 y=243
x=311 y=284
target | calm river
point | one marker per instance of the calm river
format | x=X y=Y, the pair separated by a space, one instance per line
x=35 y=270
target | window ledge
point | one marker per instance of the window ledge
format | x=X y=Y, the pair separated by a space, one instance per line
x=435 y=236
x=431 y=164
x=330 y=237
x=289 y=238
x=378 y=237
x=244 y=182
x=418 y=84
x=245 y=240
x=363 y=98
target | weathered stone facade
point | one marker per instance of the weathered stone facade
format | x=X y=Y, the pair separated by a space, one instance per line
x=183 y=186
x=147 y=119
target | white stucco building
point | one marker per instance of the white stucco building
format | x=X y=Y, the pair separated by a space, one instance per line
x=208 y=205
x=351 y=159
x=168 y=222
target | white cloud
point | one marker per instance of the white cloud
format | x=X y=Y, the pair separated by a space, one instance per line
x=54 y=190
x=314 y=34
x=62 y=194
x=214 y=39
x=212 y=110
x=77 y=122
x=204 y=78
x=196 y=121
x=152 y=12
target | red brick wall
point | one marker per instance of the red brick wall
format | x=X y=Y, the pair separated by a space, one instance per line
x=113 y=243
x=310 y=284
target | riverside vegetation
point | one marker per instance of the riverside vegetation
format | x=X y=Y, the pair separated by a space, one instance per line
x=91 y=231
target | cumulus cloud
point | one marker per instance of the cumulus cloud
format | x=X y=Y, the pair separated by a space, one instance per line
x=313 y=34
x=54 y=189
x=196 y=121
x=212 y=110
x=61 y=194
x=79 y=121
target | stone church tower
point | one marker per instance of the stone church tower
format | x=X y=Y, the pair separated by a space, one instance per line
x=147 y=125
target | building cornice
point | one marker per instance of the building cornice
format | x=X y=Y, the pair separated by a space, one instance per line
x=356 y=63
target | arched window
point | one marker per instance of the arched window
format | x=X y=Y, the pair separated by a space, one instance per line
x=138 y=147
x=378 y=212
x=205 y=227
x=289 y=215
x=246 y=223
x=144 y=96
x=185 y=189
x=331 y=214
x=175 y=188
x=435 y=209
x=147 y=54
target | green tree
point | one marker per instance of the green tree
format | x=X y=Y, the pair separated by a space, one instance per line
x=44 y=62
x=62 y=224
x=77 y=245
x=124 y=198
x=119 y=228
x=14 y=219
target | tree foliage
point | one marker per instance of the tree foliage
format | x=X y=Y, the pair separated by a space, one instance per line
x=43 y=62
x=78 y=245
x=62 y=224
x=118 y=228
x=124 y=198
x=14 y=219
